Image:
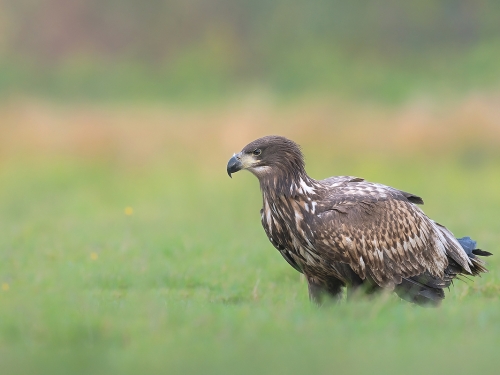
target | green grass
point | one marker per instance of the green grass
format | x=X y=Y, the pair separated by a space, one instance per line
x=190 y=284
x=203 y=76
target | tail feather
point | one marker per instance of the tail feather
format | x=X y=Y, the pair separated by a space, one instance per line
x=481 y=253
x=425 y=289
x=469 y=246
x=454 y=249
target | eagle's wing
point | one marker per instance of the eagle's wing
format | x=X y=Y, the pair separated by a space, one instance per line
x=381 y=235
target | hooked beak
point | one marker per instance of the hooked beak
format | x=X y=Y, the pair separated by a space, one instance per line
x=234 y=165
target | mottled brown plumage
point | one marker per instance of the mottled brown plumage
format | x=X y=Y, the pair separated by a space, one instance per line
x=345 y=231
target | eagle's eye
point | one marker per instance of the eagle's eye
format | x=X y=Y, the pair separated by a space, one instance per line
x=257 y=152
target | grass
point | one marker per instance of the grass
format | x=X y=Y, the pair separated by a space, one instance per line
x=187 y=282
x=211 y=75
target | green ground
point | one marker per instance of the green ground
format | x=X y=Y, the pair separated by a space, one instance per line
x=188 y=283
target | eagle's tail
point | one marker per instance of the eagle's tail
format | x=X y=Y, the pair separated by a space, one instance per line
x=462 y=253
x=469 y=246
x=425 y=289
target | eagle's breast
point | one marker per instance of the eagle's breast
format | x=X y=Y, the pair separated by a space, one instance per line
x=286 y=221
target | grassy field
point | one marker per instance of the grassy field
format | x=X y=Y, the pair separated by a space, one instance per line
x=213 y=74
x=125 y=247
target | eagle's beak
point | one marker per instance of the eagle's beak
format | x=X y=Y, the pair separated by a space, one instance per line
x=234 y=165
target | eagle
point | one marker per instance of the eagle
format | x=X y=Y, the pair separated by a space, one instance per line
x=345 y=232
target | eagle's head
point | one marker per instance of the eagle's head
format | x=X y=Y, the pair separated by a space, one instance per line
x=270 y=155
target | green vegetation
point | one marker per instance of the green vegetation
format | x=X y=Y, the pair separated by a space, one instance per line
x=186 y=281
x=212 y=50
x=206 y=75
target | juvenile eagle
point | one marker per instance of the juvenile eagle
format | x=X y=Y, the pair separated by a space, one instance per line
x=347 y=232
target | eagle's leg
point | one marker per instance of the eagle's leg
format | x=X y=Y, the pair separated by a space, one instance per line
x=352 y=291
x=362 y=287
x=318 y=290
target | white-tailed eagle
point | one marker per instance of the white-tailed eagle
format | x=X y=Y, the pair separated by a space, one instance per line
x=347 y=232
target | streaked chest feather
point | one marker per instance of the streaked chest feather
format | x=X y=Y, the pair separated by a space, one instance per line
x=287 y=225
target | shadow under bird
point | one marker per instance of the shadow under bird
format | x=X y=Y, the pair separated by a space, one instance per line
x=347 y=232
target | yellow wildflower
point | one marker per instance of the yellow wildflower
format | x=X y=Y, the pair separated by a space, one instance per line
x=94 y=256
x=129 y=211
x=5 y=287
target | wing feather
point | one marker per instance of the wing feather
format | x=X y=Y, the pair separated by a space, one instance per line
x=394 y=238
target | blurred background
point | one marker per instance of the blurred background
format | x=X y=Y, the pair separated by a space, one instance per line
x=205 y=50
x=423 y=74
x=123 y=239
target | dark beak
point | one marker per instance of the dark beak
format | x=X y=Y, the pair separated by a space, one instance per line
x=233 y=165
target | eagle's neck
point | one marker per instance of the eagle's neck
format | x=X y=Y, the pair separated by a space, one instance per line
x=288 y=184
x=289 y=200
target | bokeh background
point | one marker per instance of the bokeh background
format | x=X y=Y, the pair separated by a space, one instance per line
x=124 y=246
x=207 y=50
